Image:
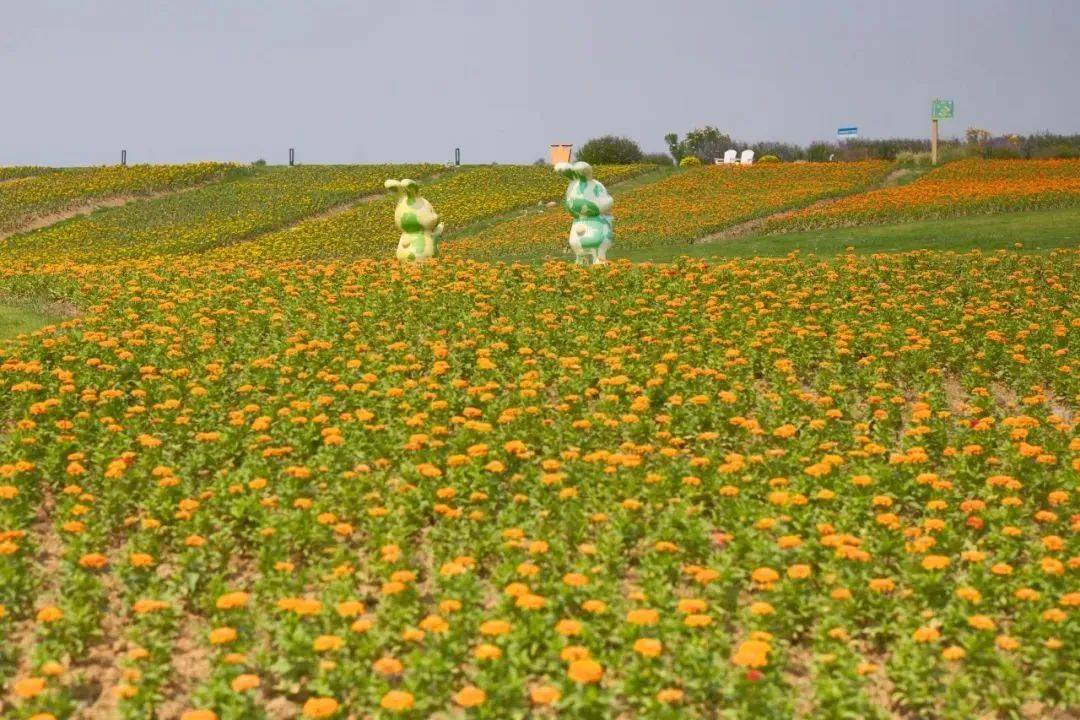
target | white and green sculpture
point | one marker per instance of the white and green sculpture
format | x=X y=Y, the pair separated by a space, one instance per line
x=417 y=220
x=591 y=233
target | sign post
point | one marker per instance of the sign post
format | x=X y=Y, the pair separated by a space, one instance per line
x=939 y=110
x=292 y=156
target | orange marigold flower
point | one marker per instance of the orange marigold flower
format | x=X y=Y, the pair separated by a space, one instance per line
x=575 y=579
x=93 y=561
x=470 y=696
x=320 y=707
x=1005 y=642
x=222 y=635
x=643 y=616
x=648 y=647
x=28 y=687
x=141 y=607
x=388 y=665
x=882 y=585
x=396 y=701
x=585 y=671
x=544 y=695
x=199 y=714
x=670 y=695
x=231 y=600
x=485 y=651
x=953 y=653
x=799 y=572
x=926 y=635
x=752 y=654
x=326 y=643
x=764 y=576
x=495 y=628
x=49 y=613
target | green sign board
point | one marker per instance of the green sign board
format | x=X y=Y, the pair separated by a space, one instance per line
x=941 y=110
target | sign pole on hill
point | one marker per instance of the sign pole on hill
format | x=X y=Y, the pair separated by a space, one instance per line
x=939 y=110
x=933 y=141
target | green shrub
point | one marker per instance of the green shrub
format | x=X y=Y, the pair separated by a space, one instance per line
x=657 y=158
x=908 y=158
x=768 y=160
x=1058 y=152
x=787 y=152
x=689 y=161
x=610 y=150
x=1003 y=152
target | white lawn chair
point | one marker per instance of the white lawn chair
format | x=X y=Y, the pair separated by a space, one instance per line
x=729 y=157
x=747 y=157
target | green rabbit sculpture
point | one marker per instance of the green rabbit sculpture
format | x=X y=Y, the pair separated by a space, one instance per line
x=591 y=233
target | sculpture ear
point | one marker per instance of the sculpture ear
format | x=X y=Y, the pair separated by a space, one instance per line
x=392 y=185
x=566 y=170
x=411 y=188
x=583 y=169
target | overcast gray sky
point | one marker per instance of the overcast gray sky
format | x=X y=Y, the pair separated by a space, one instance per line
x=366 y=81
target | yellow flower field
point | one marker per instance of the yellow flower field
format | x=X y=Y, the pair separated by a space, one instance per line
x=222 y=213
x=21 y=171
x=24 y=199
x=680 y=208
x=468 y=195
x=753 y=489
x=965 y=187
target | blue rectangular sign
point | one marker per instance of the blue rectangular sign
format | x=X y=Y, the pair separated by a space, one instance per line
x=847 y=132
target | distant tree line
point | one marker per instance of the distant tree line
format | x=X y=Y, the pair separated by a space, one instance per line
x=708 y=143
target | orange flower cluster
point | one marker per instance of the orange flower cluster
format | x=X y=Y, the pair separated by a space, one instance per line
x=965 y=187
x=678 y=209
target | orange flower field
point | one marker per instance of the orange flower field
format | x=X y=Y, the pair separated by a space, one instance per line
x=678 y=209
x=841 y=488
x=965 y=187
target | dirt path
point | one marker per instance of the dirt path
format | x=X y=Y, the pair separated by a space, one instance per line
x=49 y=552
x=36 y=222
x=748 y=227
